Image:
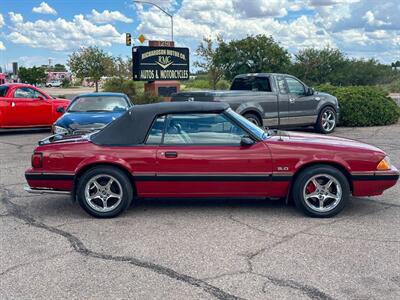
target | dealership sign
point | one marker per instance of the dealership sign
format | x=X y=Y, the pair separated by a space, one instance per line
x=160 y=63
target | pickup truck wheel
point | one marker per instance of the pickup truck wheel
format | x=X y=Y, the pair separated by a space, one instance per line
x=104 y=192
x=326 y=121
x=321 y=191
x=253 y=119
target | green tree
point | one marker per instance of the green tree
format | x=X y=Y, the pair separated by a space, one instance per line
x=120 y=67
x=315 y=66
x=252 y=54
x=90 y=62
x=365 y=72
x=208 y=63
x=59 y=68
x=32 y=75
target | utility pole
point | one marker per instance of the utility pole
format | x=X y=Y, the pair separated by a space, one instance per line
x=164 y=11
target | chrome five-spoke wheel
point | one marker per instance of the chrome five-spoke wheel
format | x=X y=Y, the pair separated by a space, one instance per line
x=328 y=120
x=103 y=193
x=322 y=192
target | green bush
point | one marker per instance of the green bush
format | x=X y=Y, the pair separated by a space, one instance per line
x=131 y=88
x=66 y=83
x=197 y=84
x=146 y=98
x=223 y=85
x=120 y=85
x=363 y=105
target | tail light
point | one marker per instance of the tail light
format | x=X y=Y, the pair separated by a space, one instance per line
x=37 y=160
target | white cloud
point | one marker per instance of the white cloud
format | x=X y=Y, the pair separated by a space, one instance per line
x=61 y=34
x=233 y=20
x=261 y=8
x=371 y=20
x=15 y=18
x=44 y=8
x=1 y=21
x=2 y=47
x=108 y=16
x=355 y=26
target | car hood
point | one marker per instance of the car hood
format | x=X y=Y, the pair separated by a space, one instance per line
x=321 y=140
x=80 y=120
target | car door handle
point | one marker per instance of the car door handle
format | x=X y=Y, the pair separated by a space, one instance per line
x=292 y=100
x=171 y=154
x=12 y=104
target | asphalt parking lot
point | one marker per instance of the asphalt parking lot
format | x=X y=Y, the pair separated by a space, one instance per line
x=196 y=249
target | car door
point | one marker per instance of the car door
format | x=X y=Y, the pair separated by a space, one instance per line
x=17 y=107
x=200 y=155
x=302 y=107
x=29 y=108
x=283 y=101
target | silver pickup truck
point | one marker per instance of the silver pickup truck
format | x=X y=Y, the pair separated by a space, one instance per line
x=274 y=100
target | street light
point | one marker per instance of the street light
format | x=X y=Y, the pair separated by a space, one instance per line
x=164 y=11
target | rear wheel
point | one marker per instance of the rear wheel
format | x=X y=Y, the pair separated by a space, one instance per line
x=253 y=119
x=321 y=191
x=326 y=122
x=104 y=192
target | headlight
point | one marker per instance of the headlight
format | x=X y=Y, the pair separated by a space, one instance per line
x=59 y=130
x=384 y=164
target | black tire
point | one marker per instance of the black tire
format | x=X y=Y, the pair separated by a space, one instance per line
x=322 y=126
x=121 y=185
x=253 y=119
x=302 y=182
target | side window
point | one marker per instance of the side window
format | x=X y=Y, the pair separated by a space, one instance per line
x=202 y=129
x=156 y=132
x=24 y=93
x=37 y=94
x=295 y=86
x=281 y=85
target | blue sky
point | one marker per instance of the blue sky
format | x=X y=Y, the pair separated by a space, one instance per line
x=31 y=32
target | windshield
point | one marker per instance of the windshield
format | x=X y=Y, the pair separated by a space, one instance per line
x=257 y=131
x=99 y=103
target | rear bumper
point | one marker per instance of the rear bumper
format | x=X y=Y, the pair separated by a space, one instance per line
x=28 y=189
x=373 y=183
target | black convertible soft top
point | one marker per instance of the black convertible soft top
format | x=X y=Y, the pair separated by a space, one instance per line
x=132 y=127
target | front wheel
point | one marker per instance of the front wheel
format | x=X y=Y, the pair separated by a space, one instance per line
x=253 y=119
x=104 y=192
x=321 y=191
x=326 y=121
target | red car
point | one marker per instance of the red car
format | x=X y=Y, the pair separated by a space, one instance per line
x=25 y=106
x=200 y=149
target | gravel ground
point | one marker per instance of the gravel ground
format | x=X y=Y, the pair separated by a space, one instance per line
x=196 y=249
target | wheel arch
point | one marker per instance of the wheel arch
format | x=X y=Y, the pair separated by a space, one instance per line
x=253 y=111
x=325 y=105
x=91 y=165
x=334 y=164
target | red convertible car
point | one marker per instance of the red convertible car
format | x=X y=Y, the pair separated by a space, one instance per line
x=25 y=106
x=200 y=149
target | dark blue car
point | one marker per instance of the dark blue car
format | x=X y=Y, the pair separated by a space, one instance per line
x=90 y=112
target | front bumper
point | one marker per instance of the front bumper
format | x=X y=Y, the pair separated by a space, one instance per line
x=373 y=183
